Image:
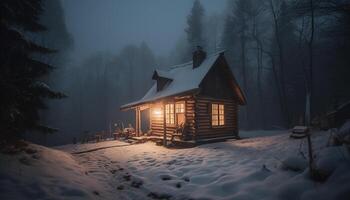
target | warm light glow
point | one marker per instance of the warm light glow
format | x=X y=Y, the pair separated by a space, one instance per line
x=169 y=114
x=180 y=107
x=157 y=112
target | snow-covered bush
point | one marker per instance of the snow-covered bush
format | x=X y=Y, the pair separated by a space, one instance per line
x=328 y=159
x=343 y=135
x=294 y=163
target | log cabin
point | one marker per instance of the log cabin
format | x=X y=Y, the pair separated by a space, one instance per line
x=202 y=95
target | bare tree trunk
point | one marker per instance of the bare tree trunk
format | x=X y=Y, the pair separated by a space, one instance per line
x=311 y=55
x=306 y=81
x=275 y=75
x=243 y=58
x=309 y=93
x=311 y=160
x=260 y=88
x=281 y=65
x=259 y=73
x=261 y=105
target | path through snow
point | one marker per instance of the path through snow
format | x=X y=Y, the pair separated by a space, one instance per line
x=244 y=169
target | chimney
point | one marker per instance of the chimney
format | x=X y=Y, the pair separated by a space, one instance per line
x=198 y=57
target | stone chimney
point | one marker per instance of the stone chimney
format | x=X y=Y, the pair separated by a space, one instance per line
x=198 y=57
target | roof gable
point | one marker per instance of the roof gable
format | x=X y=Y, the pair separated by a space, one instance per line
x=161 y=74
x=216 y=84
x=184 y=78
x=226 y=73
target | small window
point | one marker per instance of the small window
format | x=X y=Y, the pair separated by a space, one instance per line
x=180 y=107
x=217 y=114
x=221 y=115
x=169 y=114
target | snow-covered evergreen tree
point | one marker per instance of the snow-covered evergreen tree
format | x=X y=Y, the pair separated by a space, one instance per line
x=22 y=91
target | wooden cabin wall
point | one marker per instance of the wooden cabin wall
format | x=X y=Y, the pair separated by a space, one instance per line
x=216 y=88
x=198 y=118
x=204 y=128
x=156 y=123
x=190 y=117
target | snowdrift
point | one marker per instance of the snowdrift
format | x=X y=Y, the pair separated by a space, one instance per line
x=37 y=172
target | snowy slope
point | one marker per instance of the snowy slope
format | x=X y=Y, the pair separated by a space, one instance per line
x=267 y=167
x=42 y=173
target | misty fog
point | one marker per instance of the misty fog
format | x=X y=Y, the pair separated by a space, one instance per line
x=112 y=24
x=108 y=50
x=175 y=99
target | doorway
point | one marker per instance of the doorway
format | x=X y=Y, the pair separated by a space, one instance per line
x=180 y=113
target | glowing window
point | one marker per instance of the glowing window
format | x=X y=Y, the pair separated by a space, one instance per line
x=217 y=115
x=169 y=114
x=179 y=107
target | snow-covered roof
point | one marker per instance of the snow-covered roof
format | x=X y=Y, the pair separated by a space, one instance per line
x=184 y=78
x=163 y=73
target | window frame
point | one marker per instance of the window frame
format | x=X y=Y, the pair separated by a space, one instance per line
x=217 y=115
x=182 y=107
x=172 y=110
x=170 y=114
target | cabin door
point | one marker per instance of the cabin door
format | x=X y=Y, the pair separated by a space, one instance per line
x=180 y=118
x=180 y=112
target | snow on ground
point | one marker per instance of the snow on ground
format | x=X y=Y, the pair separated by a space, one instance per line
x=244 y=169
x=268 y=167
x=72 y=148
x=259 y=133
x=37 y=172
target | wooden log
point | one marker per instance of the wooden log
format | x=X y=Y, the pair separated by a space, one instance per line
x=164 y=127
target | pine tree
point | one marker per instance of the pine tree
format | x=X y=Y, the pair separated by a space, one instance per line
x=229 y=36
x=57 y=37
x=235 y=40
x=22 y=91
x=194 y=28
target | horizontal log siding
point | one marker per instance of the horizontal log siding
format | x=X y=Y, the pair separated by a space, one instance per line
x=203 y=118
x=157 y=122
x=190 y=117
